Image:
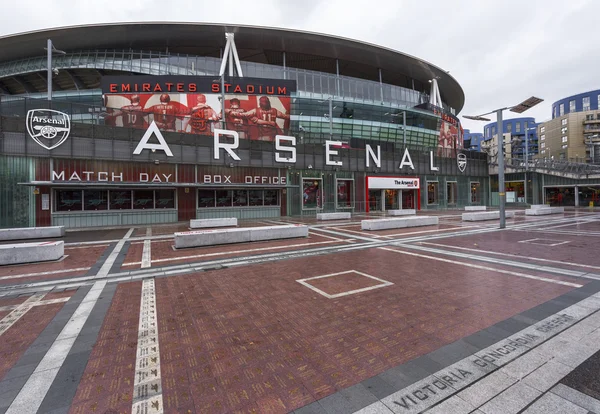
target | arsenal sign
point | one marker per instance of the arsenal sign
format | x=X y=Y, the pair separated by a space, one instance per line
x=47 y=127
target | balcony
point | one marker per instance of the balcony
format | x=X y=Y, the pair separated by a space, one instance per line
x=591 y=121
x=589 y=129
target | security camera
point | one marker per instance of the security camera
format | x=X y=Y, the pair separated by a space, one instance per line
x=55 y=71
x=302 y=128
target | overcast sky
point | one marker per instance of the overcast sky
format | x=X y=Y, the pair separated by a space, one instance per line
x=499 y=51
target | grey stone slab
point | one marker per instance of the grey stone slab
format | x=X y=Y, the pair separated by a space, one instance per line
x=61 y=410
x=546 y=376
x=454 y=405
x=526 y=319
x=512 y=400
x=348 y=400
x=511 y=325
x=486 y=388
x=526 y=364
x=577 y=397
x=314 y=408
x=376 y=408
x=551 y=403
x=380 y=387
x=482 y=339
x=567 y=352
x=454 y=352
x=65 y=384
x=544 y=310
x=7 y=398
x=20 y=371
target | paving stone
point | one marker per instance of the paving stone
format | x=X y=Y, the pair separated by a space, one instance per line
x=552 y=403
x=526 y=364
x=454 y=405
x=512 y=400
x=576 y=397
x=377 y=408
x=485 y=389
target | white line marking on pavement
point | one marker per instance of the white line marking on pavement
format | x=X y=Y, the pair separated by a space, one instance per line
x=474 y=266
x=39 y=303
x=53 y=272
x=304 y=282
x=35 y=389
x=147 y=389
x=532 y=241
x=170 y=259
x=86 y=247
x=537 y=259
x=146 y=253
x=10 y=319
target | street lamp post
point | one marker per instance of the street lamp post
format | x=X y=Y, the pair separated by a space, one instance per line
x=520 y=108
x=51 y=49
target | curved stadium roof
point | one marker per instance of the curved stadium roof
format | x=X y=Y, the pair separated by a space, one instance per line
x=304 y=50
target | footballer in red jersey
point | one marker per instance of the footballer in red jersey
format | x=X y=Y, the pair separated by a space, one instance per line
x=132 y=116
x=200 y=117
x=235 y=118
x=265 y=117
x=165 y=113
x=110 y=118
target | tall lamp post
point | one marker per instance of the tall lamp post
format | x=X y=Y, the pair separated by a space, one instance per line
x=520 y=108
x=51 y=49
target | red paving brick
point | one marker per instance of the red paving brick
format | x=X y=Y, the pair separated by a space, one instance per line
x=576 y=251
x=15 y=341
x=76 y=259
x=107 y=382
x=163 y=253
x=260 y=337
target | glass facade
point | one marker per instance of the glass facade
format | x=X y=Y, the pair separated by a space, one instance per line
x=66 y=200
x=310 y=83
x=237 y=198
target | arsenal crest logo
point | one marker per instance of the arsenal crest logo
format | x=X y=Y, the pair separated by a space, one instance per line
x=47 y=127
x=461 y=159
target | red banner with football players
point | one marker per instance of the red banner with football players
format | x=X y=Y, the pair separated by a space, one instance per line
x=254 y=117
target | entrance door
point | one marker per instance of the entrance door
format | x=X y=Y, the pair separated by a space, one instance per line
x=375 y=200
x=408 y=199
x=391 y=199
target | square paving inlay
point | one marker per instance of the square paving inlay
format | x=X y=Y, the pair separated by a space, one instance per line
x=340 y=284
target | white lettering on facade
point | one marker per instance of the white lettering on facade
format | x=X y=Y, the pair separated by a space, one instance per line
x=227 y=147
x=371 y=154
x=279 y=147
x=167 y=177
x=406 y=160
x=102 y=176
x=56 y=176
x=120 y=177
x=75 y=177
x=431 y=167
x=143 y=177
x=143 y=144
x=87 y=175
x=329 y=152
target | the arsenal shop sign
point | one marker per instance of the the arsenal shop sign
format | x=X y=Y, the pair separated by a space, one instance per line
x=196 y=84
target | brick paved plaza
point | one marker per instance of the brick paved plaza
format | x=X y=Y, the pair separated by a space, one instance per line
x=452 y=318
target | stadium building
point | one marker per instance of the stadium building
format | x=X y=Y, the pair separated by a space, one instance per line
x=164 y=122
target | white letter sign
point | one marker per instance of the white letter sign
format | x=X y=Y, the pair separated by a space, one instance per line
x=329 y=152
x=404 y=160
x=227 y=147
x=279 y=147
x=371 y=154
x=153 y=129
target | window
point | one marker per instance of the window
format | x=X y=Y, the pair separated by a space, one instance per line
x=561 y=110
x=143 y=199
x=164 y=199
x=312 y=196
x=120 y=200
x=432 y=192
x=271 y=197
x=543 y=145
x=565 y=146
x=68 y=200
x=564 y=138
x=206 y=198
x=563 y=130
x=224 y=198
x=451 y=192
x=475 y=193
x=240 y=198
x=95 y=199
x=542 y=129
x=517 y=127
x=344 y=193
x=589 y=117
x=586 y=103
x=493 y=130
x=543 y=137
x=553 y=112
x=598 y=101
x=572 y=106
x=255 y=198
x=564 y=122
x=508 y=127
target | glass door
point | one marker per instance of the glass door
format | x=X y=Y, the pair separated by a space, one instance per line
x=375 y=200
